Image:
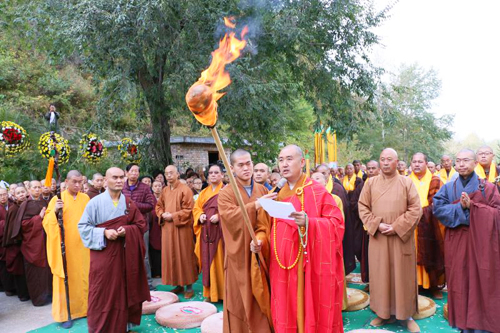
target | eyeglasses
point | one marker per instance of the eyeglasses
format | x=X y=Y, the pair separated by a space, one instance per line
x=465 y=160
x=484 y=153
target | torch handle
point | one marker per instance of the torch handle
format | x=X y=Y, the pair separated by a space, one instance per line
x=237 y=193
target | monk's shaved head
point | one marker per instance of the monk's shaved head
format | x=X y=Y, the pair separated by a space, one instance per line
x=446 y=156
x=172 y=168
x=238 y=153
x=111 y=171
x=485 y=148
x=422 y=155
x=97 y=175
x=296 y=148
x=172 y=174
x=73 y=173
x=390 y=151
x=35 y=183
x=469 y=152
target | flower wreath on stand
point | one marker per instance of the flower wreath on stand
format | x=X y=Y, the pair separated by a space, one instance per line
x=14 y=138
x=129 y=151
x=92 y=148
x=46 y=147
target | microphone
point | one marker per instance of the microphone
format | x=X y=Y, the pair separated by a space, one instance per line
x=280 y=184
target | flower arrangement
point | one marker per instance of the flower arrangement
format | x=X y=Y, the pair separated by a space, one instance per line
x=13 y=137
x=129 y=151
x=46 y=147
x=92 y=148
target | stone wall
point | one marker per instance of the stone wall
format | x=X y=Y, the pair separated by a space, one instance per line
x=193 y=154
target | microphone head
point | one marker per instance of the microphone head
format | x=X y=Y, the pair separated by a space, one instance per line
x=281 y=183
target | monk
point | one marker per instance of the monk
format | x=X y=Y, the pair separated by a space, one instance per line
x=402 y=168
x=372 y=169
x=28 y=224
x=175 y=211
x=246 y=294
x=469 y=207
x=389 y=207
x=112 y=227
x=358 y=171
x=72 y=204
x=97 y=186
x=46 y=193
x=432 y=167
x=306 y=270
x=353 y=185
x=209 y=247
x=429 y=235
x=11 y=241
x=274 y=179
x=447 y=172
x=261 y=175
x=486 y=168
x=155 y=234
x=6 y=279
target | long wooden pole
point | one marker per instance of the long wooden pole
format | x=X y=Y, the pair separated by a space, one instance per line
x=237 y=193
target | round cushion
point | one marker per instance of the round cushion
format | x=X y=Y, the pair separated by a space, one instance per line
x=356 y=299
x=354 y=278
x=445 y=311
x=369 y=331
x=184 y=314
x=159 y=299
x=212 y=324
x=426 y=307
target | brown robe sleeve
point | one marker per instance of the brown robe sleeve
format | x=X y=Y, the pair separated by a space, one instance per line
x=160 y=206
x=405 y=224
x=185 y=215
x=370 y=221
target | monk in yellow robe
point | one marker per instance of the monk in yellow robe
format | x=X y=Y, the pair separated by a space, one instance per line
x=429 y=234
x=447 y=171
x=486 y=168
x=72 y=203
x=209 y=242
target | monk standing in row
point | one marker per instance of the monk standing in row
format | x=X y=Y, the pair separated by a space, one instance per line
x=447 y=172
x=306 y=271
x=112 y=227
x=72 y=204
x=209 y=247
x=246 y=302
x=389 y=207
x=175 y=211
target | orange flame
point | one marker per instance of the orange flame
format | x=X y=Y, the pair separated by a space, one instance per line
x=202 y=97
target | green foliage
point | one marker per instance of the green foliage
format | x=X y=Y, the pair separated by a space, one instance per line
x=403 y=120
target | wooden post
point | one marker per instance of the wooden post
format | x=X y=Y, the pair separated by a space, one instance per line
x=237 y=193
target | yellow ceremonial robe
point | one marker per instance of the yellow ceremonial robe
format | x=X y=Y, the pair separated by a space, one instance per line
x=445 y=177
x=492 y=173
x=216 y=290
x=77 y=257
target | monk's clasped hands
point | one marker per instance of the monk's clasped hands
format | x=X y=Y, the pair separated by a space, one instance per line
x=465 y=201
x=386 y=229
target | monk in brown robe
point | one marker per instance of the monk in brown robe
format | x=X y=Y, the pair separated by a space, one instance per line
x=28 y=223
x=175 y=211
x=97 y=186
x=112 y=227
x=389 y=207
x=353 y=185
x=209 y=247
x=11 y=241
x=246 y=303
x=6 y=279
x=429 y=235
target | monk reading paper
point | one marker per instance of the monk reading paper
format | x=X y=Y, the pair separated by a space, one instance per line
x=469 y=207
x=246 y=302
x=209 y=242
x=112 y=227
x=72 y=203
x=389 y=207
x=306 y=270
x=175 y=211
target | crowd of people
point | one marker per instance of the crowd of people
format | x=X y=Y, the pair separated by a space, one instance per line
x=411 y=228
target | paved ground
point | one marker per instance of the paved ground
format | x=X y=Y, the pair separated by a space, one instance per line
x=21 y=317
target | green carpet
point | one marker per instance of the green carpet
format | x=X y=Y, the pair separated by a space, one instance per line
x=352 y=320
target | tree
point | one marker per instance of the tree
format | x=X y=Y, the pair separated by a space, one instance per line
x=151 y=51
x=403 y=119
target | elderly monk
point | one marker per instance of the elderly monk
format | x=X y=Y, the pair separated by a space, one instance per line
x=28 y=224
x=353 y=185
x=470 y=209
x=97 y=186
x=429 y=235
x=348 y=240
x=46 y=193
x=447 y=172
x=175 y=211
x=11 y=241
x=246 y=302
x=306 y=271
x=274 y=179
x=117 y=279
x=431 y=166
x=402 y=168
x=209 y=247
x=389 y=207
x=261 y=175
x=486 y=168
x=72 y=205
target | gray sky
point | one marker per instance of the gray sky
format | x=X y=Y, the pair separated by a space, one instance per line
x=460 y=39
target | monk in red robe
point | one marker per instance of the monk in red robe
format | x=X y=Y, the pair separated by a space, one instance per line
x=112 y=227
x=306 y=269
